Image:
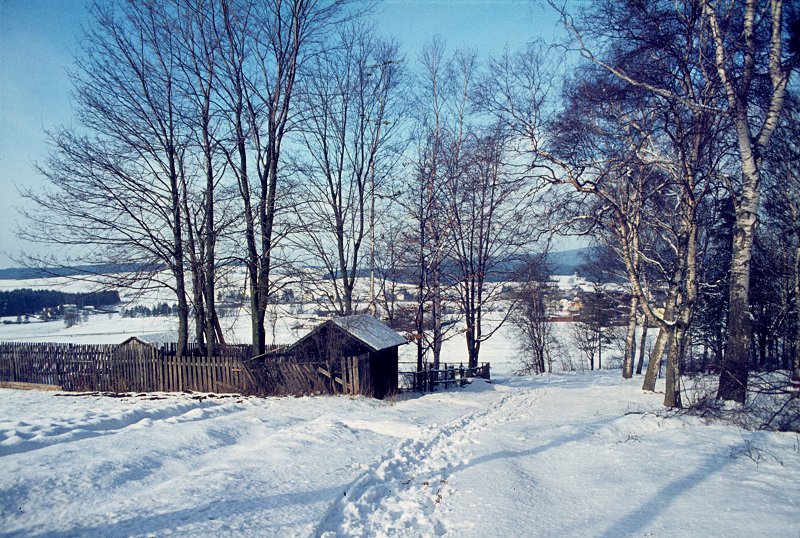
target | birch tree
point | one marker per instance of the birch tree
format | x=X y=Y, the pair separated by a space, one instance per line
x=753 y=66
x=738 y=47
x=640 y=164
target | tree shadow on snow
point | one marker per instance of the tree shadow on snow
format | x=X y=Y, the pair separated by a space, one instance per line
x=219 y=511
x=586 y=431
x=649 y=509
x=659 y=502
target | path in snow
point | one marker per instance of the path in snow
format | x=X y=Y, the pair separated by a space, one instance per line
x=586 y=454
x=566 y=458
x=404 y=490
x=97 y=466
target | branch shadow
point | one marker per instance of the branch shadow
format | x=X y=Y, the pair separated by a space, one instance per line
x=658 y=503
x=649 y=509
x=155 y=524
x=587 y=430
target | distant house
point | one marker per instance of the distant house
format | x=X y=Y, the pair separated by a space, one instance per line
x=359 y=350
x=136 y=342
x=406 y=295
x=149 y=338
x=575 y=306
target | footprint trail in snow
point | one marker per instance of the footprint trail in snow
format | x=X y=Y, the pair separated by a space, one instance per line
x=402 y=494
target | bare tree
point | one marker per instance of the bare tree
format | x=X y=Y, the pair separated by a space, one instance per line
x=116 y=183
x=350 y=105
x=531 y=320
x=389 y=269
x=268 y=42
x=199 y=54
x=424 y=200
x=748 y=47
x=489 y=226
x=587 y=338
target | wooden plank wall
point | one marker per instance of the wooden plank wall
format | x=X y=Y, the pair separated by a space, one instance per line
x=286 y=376
x=134 y=367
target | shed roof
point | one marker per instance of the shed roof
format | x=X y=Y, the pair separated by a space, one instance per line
x=135 y=340
x=370 y=331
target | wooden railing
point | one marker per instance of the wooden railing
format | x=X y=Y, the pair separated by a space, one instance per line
x=428 y=379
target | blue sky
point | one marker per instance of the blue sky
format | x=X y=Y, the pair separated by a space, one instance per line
x=39 y=40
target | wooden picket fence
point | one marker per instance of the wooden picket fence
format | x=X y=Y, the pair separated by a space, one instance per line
x=134 y=367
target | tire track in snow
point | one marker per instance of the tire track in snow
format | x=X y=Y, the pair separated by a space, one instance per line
x=401 y=494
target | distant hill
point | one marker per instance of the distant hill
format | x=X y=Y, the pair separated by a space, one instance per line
x=25 y=273
x=566 y=262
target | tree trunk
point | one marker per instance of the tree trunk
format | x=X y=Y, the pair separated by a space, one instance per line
x=195 y=271
x=600 y=348
x=257 y=334
x=630 y=339
x=654 y=364
x=735 y=365
x=672 y=392
x=266 y=217
x=796 y=362
x=199 y=310
x=420 y=316
x=177 y=262
x=642 y=344
x=472 y=358
x=183 y=310
x=209 y=247
x=752 y=148
x=218 y=330
x=436 y=311
x=437 y=330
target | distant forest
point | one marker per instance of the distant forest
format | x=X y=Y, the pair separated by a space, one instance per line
x=27 y=301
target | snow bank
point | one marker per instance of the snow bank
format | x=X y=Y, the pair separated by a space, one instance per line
x=582 y=454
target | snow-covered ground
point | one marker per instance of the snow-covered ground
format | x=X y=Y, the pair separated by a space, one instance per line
x=562 y=455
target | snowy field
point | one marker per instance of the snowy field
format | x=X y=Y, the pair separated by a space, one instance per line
x=284 y=325
x=584 y=454
x=559 y=455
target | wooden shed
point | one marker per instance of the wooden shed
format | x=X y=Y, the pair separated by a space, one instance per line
x=361 y=353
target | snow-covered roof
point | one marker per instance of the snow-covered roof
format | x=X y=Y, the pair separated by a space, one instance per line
x=158 y=337
x=370 y=331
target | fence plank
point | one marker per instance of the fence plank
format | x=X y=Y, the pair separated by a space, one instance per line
x=144 y=368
